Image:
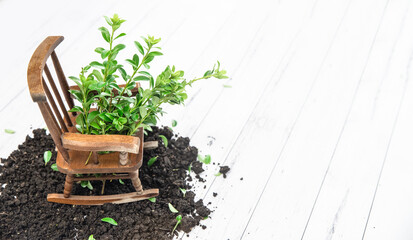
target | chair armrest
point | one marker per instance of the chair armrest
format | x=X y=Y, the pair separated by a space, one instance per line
x=85 y=142
x=115 y=91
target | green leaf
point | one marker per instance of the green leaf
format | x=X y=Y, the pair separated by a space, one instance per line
x=152 y=54
x=141 y=78
x=172 y=208
x=178 y=221
x=97 y=65
x=47 y=156
x=121 y=182
x=152 y=161
x=218 y=174
x=183 y=191
x=76 y=109
x=109 y=220
x=9 y=131
x=92 y=116
x=99 y=50
x=206 y=159
x=89 y=185
x=119 y=47
x=54 y=167
x=143 y=111
x=174 y=123
x=164 y=140
x=136 y=59
x=105 y=33
x=108 y=20
x=91 y=237
x=226 y=86
x=189 y=168
x=152 y=199
x=120 y=35
x=139 y=46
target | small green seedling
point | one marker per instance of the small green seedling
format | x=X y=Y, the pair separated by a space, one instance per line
x=9 y=131
x=91 y=237
x=152 y=199
x=109 y=220
x=152 y=161
x=47 y=156
x=206 y=159
x=183 y=191
x=121 y=182
x=86 y=184
x=189 y=168
x=174 y=123
x=54 y=167
x=164 y=140
x=178 y=221
x=218 y=174
x=172 y=208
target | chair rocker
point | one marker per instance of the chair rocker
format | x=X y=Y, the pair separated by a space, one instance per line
x=74 y=148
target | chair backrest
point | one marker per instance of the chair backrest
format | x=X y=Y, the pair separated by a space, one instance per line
x=57 y=117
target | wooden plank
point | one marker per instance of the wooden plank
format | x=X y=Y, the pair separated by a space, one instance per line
x=265 y=120
x=346 y=194
x=100 y=200
x=86 y=142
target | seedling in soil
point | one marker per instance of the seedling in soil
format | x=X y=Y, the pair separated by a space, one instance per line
x=121 y=182
x=91 y=237
x=109 y=220
x=47 y=156
x=183 y=191
x=172 y=208
x=189 y=168
x=178 y=221
x=218 y=174
x=174 y=123
x=54 y=167
x=206 y=159
x=9 y=131
x=152 y=199
x=86 y=184
x=152 y=161
x=164 y=140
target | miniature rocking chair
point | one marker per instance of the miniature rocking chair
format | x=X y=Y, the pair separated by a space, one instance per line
x=74 y=148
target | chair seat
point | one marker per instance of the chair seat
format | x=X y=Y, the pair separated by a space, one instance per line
x=108 y=163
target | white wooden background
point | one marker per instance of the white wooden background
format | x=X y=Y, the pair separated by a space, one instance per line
x=318 y=122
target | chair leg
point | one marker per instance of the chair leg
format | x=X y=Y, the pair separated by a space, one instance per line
x=136 y=181
x=68 y=185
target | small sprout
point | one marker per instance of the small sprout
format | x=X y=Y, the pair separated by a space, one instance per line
x=109 y=220
x=152 y=199
x=121 y=182
x=174 y=123
x=189 y=168
x=204 y=218
x=206 y=159
x=178 y=221
x=227 y=86
x=86 y=184
x=164 y=140
x=47 y=156
x=9 y=131
x=218 y=174
x=183 y=191
x=152 y=161
x=91 y=237
x=54 y=167
x=172 y=208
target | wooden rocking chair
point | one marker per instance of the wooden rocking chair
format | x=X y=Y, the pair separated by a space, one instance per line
x=74 y=148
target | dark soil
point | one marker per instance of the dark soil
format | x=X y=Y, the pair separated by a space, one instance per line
x=224 y=170
x=25 y=213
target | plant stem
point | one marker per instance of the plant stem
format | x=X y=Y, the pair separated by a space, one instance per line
x=103 y=187
x=90 y=154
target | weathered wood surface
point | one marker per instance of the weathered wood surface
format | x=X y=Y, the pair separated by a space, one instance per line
x=316 y=86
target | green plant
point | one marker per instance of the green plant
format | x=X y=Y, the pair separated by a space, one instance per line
x=183 y=191
x=108 y=108
x=91 y=237
x=172 y=208
x=47 y=156
x=54 y=167
x=152 y=161
x=206 y=159
x=178 y=221
x=109 y=220
x=164 y=140
x=9 y=131
x=86 y=184
x=152 y=199
x=174 y=123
